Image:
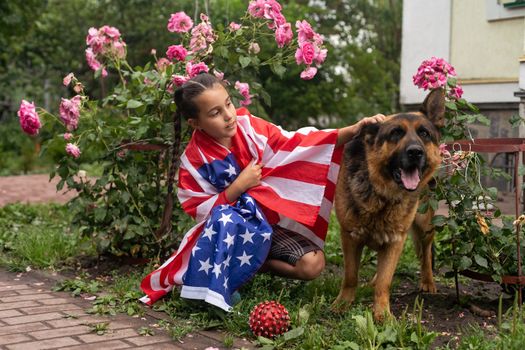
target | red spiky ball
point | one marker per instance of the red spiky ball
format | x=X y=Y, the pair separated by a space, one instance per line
x=269 y=319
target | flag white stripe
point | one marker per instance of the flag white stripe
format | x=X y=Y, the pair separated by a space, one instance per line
x=204 y=209
x=184 y=194
x=205 y=185
x=321 y=154
x=294 y=226
x=326 y=208
x=294 y=190
x=333 y=172
x=203 y=293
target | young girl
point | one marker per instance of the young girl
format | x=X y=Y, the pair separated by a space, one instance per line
x=261 y=197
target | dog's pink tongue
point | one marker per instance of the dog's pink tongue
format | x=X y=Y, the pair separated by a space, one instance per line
x=410 y=179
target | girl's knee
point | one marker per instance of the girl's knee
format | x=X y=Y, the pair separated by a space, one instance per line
x=311 y=264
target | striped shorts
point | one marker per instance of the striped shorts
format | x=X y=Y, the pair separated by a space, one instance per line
x=289 y=246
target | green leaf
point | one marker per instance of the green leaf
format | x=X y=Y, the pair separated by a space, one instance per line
x=481 y=261
x=100 y=214
x=244 y=61
x=133 y=104
x=451 y=105
x=439 y=220
x=464 y=263
x=266 y=98
x=414 y=338
x=293 y=334
x=278 y=69
x=221 y=51
x=264 y=341
x=389 y=335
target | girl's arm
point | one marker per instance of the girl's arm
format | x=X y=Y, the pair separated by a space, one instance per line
x=345 y=134
x=248 y=178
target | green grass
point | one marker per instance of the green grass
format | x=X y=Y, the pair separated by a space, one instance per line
x=38 y=236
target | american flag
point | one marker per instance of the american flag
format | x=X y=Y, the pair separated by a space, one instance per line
x=231 y=240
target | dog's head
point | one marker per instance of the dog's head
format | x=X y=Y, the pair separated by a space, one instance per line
x=403 y=151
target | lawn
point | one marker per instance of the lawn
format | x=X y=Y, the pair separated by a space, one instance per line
x=39 y=237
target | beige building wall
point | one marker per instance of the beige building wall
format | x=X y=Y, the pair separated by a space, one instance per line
x=483 y=50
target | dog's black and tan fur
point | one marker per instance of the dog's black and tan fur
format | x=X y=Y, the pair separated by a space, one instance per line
x=383 y=172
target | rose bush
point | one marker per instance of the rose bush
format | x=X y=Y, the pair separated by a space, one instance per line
x=131 y=132
x=467 y=238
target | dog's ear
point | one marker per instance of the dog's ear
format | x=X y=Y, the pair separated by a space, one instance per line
x=368 y=133
x=434 y=107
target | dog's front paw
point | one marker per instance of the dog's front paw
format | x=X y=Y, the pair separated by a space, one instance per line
x=344 y=300
x=381 y=312
x=427 y=287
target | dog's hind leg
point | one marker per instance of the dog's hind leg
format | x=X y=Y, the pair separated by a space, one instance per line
x=387 y=259
x=423 y=236
x=352 y=250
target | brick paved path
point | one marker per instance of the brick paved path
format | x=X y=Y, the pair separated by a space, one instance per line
x=32 y=316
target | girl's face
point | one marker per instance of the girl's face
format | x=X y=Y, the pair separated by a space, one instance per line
x=217 y=116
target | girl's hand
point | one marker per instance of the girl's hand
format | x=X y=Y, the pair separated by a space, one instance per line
x=249 y=177
x=345 y=134
x=378 y=118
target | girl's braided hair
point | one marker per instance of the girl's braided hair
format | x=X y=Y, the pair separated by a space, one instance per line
x=186 y=107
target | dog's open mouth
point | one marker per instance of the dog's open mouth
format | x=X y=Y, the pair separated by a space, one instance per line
x=408 y=178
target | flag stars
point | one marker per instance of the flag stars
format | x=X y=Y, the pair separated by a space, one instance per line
x=266 y=236
x=225 y=284
x=247 y=237
x=208 y=232
x=229 y=240
x=194 y=250
x=226 y=262
x=225 y=219
x=231 y=170
x=244 y=258
x=216 y=270
x=205 y=265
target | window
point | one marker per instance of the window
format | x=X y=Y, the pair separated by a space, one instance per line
x=504 y=9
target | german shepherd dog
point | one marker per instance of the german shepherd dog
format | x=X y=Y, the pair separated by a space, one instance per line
x=385 y=168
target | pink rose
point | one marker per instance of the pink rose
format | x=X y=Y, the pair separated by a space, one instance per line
x=162 y=64
x=256 y=8
x=118 y=48
x=308 y=73
x=68 y=136
x=110 y=32
x=283 y=35
x=67 y=79
x=179 y=22
x=178 y=80
x=29 y=119
x=433 y=74
x=70 y=112
x=177 y=52
x=202 y=35
x=93 y=63
x=234 y=26
x=244 y=90
x=153 y=52
x=320 y=56
x=456 y=92
x=304 y=31
x=305 y=53
x=95 y=41
x=78 y=88
x=194 y=69
x=73 y=150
